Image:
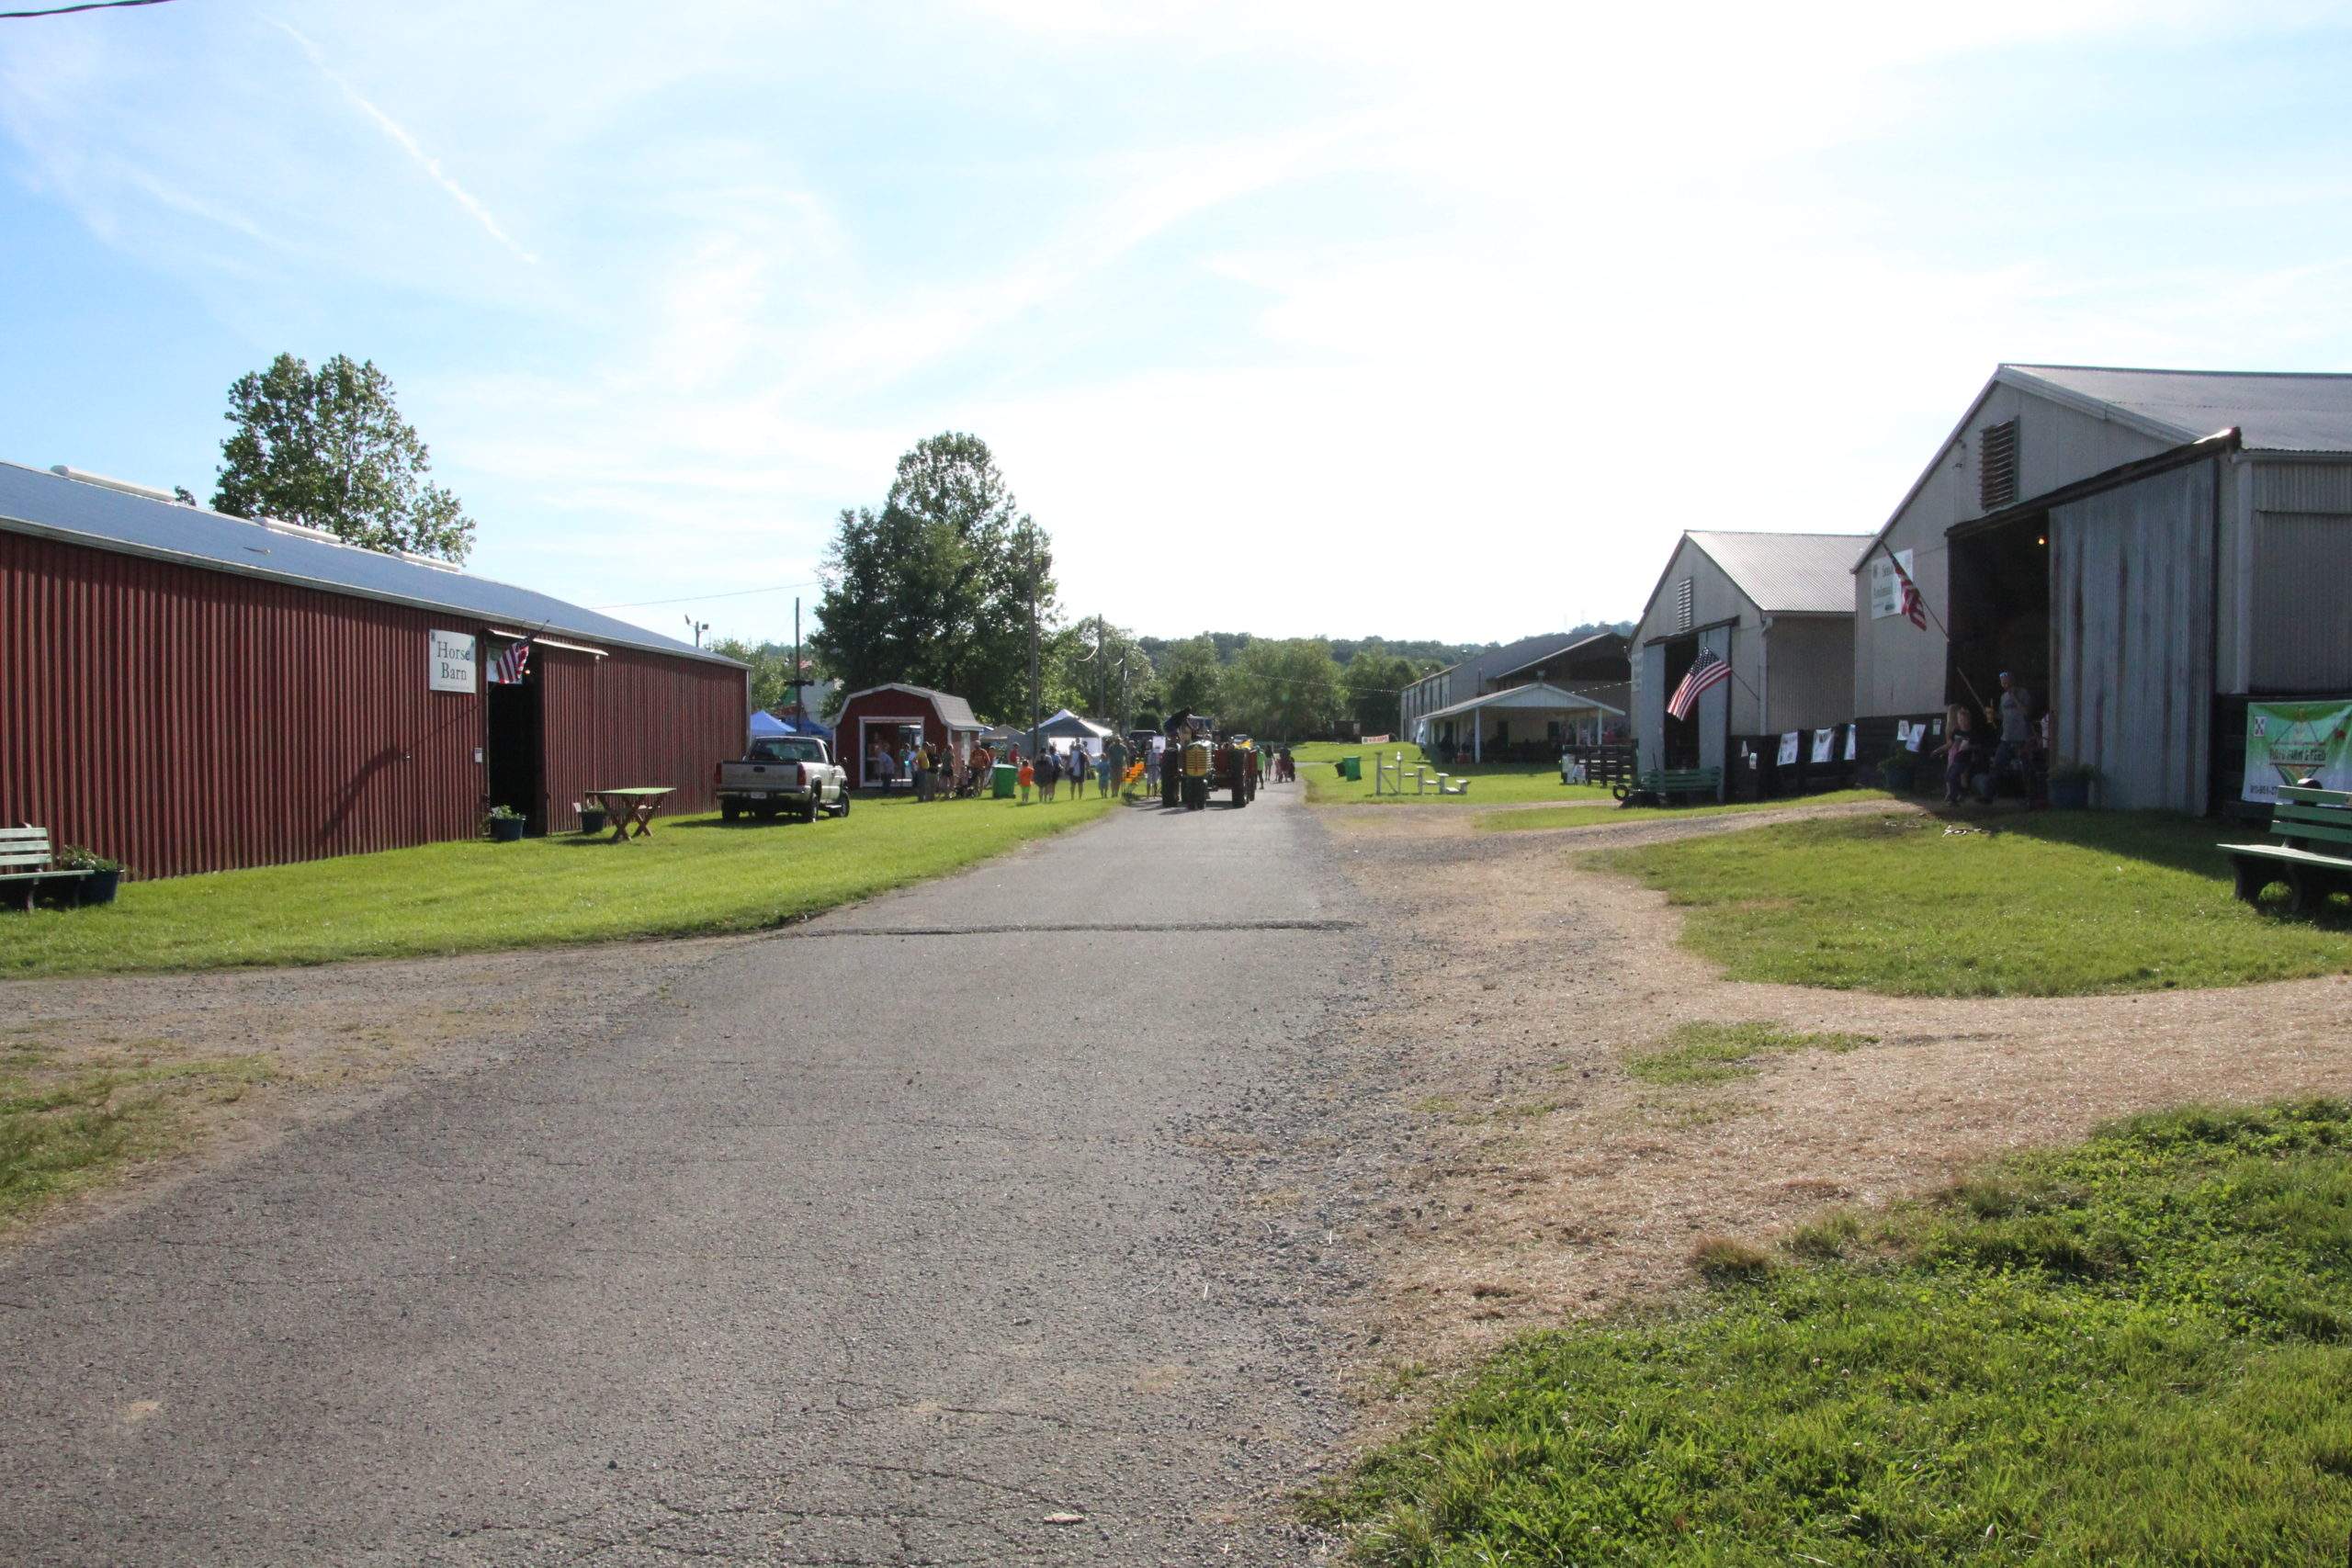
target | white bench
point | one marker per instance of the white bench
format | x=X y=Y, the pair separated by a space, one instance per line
x=28 y=862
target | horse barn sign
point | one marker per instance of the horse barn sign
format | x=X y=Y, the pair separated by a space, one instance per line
x=189 y=691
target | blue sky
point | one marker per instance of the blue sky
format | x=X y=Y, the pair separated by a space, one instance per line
x=1344 y=318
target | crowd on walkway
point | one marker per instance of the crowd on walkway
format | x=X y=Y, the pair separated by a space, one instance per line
x=940 y=773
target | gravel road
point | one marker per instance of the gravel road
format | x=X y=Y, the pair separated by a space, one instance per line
x=994 y=1222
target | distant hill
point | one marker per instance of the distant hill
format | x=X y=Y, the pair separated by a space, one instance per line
x=1419 y=650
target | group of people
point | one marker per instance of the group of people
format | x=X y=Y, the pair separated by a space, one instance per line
x=1052 y=770
x=937 y=773
x=2018 y=746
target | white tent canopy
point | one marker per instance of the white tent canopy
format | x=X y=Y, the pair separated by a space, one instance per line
x=1580 y=715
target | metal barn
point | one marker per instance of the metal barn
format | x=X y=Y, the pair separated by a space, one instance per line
x=1779 y=607
x=893 y=716
x=190 y=691
x=2146 y=550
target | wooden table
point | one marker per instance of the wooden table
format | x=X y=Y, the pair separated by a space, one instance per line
x=631 y=808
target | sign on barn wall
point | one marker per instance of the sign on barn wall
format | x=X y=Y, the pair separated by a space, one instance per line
x=1886 y=589
x=453 y=663
x=2288 y=741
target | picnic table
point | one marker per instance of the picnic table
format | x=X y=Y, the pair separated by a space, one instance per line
x=631 y=808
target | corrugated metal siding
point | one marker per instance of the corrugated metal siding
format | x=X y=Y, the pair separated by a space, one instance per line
x=1809 y=665
x=185 y=720
x=635 y=719
x=2132 y=609
x=2301 y=618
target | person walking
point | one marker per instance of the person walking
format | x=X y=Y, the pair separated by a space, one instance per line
x=2015 y=718
x=1049 y=772
x=1028 y=777
x=1960 y=751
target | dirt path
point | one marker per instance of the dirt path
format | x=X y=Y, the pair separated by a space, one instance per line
x=1555 y=1184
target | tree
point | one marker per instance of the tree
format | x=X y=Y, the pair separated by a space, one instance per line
x=1373 y=680
x=1083 y=671
x=1190 y=677
x=771 y=665
x=330 y=450
x=1283 y=691
x=934 y=590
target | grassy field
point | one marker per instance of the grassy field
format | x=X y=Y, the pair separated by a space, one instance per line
x=2054 y=904
x=1497 y=785
x=1606 y=810
x=2135 y=1352
x=694 y=876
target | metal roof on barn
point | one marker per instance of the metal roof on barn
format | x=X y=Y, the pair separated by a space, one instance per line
x=1786 y=574
x=76 y=512
x=2273 y=411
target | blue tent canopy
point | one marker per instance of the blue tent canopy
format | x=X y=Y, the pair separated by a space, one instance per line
x=764 y=724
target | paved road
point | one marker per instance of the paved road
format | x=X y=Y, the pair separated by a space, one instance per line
x=873 y=1243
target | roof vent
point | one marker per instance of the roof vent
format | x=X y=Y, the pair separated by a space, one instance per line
x=1996 y=467
x=84 y=476
x=295 y=530
x=1683 y=605
x=436 y=562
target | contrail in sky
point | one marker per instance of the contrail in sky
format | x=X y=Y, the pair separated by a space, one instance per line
x=399 y=134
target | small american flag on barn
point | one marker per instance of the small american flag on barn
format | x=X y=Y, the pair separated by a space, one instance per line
x=1915 y=609
x=1710 y=668
x=512 y=664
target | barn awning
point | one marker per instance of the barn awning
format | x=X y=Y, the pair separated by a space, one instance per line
x=1539 y=698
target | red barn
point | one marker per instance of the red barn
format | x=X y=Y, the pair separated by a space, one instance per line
x=187 y=690
x=888 y=715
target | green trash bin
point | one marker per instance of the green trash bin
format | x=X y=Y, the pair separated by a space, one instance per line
x=1004 y=780
x=1352 y=769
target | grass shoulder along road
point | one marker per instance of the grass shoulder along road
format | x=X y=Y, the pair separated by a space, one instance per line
x=2138 y=1352
x=1490 y=784
x=66 y=1128
x=1606 y=811
x=2071 y=903
x=695 y=876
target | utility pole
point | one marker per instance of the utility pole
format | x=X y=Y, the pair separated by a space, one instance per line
x=698 y=628
x=1101 y=676
x=800 y=709
x=1036 y=706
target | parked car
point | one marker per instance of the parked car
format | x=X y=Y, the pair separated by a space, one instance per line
x=783 y=773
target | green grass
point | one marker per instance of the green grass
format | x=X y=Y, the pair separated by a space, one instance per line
x=2134 y=1352
x=60 y=1135
x=2053 y=904
x=1496 y=784
x=1703 y=1052
x=694 y=876
x=1599 y=813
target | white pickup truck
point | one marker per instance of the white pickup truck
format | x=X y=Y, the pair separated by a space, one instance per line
x=783 y=773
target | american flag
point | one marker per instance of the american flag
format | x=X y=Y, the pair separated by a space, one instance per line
x=1710 y=668
x=1915 y=609
x=513 y=663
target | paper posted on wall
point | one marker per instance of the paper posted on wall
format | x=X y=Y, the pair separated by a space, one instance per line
x=1853 y=741
x=1824 y=744
x=1789 y=749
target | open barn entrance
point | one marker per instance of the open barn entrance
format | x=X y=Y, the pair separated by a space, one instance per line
x=2000 y=612
x=514 y=748
x=1682 y=735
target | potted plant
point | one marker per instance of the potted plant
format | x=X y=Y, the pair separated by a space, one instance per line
x=592 y=818
x=1898 y=770
x=506 y=825
x=105 y=878
x=2070 y=785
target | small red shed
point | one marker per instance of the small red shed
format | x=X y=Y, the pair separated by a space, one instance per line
x=887 y=715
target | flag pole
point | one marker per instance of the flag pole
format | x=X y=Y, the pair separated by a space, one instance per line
x=1945 y=632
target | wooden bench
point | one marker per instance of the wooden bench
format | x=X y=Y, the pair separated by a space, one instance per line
x=2315 y=856
x=27 y=863
x=1667 y=783
x=1448 y=784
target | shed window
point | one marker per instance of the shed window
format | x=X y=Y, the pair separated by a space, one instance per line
x=1682 y=605
x=1996 y=467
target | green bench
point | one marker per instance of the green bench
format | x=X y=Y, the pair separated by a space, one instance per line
x=2315 y=856
x=1665 y=784
x=27 y=863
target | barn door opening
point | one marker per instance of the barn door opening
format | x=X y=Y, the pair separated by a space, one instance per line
x=2000 y=612
x=1681 y=734
x=514 y=748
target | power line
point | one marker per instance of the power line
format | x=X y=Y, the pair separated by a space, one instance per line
x=694 y=598
x=85 y=5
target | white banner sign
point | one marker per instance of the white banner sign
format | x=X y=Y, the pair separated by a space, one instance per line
x=453 y=663
x=1824 y=744
x=1886 y=589
x=1789 y=749
x=1853 y=741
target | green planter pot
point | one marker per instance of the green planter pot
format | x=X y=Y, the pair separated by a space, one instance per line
x=505 y=829
x=98 y=887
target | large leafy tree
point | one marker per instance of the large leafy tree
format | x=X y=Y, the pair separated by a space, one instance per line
x=1284 y=691
x=771 y=665
x=1191 y=678
x=934 y=588
x=1096 y=668
x=328 y=448
x=1373 y=679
